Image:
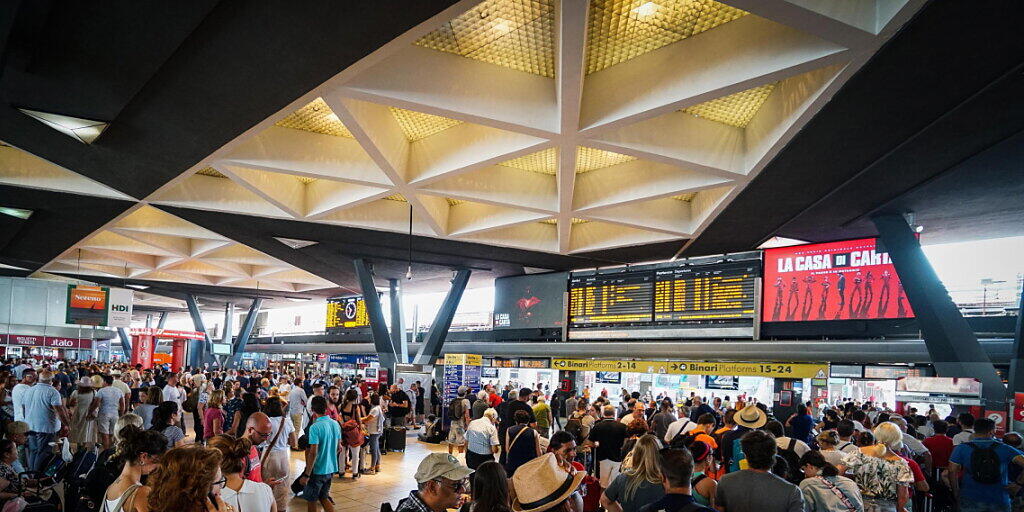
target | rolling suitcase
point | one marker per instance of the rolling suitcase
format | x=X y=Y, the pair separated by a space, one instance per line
x=396 y=439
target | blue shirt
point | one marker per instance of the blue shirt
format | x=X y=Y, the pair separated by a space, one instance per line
x=802 y=426
x=987 y=493
x=39 y=414
x=325 y=433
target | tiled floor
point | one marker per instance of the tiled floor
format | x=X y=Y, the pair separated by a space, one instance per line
x=366 y=494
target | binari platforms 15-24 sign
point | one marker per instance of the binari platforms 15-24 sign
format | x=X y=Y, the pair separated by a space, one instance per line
x=847 y=280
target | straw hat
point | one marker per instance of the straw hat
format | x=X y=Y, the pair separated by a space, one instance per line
x=541 y=484
x=85 y=382
x=751 y=416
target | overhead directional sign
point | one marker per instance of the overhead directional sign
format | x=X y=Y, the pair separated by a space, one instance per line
x=757 y=369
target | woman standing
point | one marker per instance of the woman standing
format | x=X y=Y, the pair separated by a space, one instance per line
x=490 y=489
x=882 y=476
x=824 y=490
x=138 y=451
x=189 y=479
x=522 y=441
x=702 y=485
x=458 y=412
x=351 y=410
x=165 y=421
x=213 y=415
x=154 y=396
x=83 y=402
x=828 y=440
x=275 y=453
x=239 y=493
x=250 y=405
x=639 y=484
x=374 y=422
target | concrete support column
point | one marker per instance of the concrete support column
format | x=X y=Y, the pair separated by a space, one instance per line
x=398 y=338
x=952 y=345
x=244 y=333
x=378 y=327
x=434 y=340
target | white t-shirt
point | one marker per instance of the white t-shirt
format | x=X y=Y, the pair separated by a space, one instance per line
x=18 y=400
x=682 y=425
x=282 y=440
x=847 y=446
x=963 y=437
x=800 y=447
x=110 y=401
x=251 y=497
x=914 y=445
x=173 y=394
x=376 y=425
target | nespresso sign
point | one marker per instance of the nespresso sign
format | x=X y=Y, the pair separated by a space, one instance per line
x=27 y=340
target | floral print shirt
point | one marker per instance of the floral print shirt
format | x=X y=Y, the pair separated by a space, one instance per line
x=878 y=478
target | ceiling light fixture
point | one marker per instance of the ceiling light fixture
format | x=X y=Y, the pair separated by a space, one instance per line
x=85 y=131
x=646 y=9
x=295 y=243
x=502 y=26
x=16 y=212
x=408 y=271
x=137 y=286
x=333 y=117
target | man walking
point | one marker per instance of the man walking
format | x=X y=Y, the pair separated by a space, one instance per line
x=46 y=417
x=321 y=457
x=297 y=404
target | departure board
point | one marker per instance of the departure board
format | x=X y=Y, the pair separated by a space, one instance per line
x=346 y=313
x=705 y=293
x=611 y=299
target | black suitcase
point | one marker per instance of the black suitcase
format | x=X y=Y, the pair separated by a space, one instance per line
x=395 y=439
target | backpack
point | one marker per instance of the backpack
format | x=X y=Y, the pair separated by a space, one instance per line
x=456 y=409
x=793 y=473
x=575 y=427
x=191 y=402
x=352 y=433
x=684 y=440
x=679 y=435
x=985 y=466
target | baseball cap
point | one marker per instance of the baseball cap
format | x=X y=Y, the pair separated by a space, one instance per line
x=441 y=465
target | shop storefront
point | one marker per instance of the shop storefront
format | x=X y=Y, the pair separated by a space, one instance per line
x=520 y=372
x=869 y=383
x=40 y=347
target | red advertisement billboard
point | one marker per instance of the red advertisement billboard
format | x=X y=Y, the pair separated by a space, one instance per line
x=848 y=280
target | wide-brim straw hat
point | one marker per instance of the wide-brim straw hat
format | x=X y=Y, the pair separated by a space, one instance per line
x=751 y=416
x=541 y=484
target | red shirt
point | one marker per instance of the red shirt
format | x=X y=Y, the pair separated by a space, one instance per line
x=494 y=400
x=941 y=447
x=254 y=472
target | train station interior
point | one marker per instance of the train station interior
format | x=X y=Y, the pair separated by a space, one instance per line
x=781 y=202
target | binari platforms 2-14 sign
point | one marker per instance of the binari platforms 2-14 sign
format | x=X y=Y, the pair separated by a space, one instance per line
x=852 y=279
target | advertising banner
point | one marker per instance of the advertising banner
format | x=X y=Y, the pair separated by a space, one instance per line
x=30 y=340
x=848 y=280
x=99 y=306
x=530 y=301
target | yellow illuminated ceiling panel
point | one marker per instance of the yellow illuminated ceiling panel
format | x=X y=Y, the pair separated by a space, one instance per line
x=735 y=109
x=620 y=30
x=685 y=197
x=453 y=202
x=544 y=162
x=555 y=221
x=315 y=117
x=417 y=125
x=397 y=197
x=210 y=171
x=516 y=34
x=589 y=159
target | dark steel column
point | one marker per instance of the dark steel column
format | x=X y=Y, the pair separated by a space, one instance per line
x=398 y=338
x=198 y=349
x=126 y=343
x=243 y=334
x=1017 y=362
x=378 y=327
x=163 y=320
x=952 y=345
x=433 y=342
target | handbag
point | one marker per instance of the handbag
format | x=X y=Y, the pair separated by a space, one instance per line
x=266 y=452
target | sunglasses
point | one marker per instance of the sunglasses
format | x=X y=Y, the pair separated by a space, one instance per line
x=454 y=486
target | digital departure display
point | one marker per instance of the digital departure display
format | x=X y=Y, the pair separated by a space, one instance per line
x=611 y=299
x=704 y=293
x=346 y=313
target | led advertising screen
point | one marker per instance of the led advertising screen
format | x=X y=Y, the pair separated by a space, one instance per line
x=346 y=313
x=848 y=280
x=530 y=302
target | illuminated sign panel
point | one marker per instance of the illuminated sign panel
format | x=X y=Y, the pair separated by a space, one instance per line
x=346 y=313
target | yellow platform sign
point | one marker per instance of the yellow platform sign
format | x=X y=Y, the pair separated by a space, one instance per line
x=758 y=369
x=464 y=359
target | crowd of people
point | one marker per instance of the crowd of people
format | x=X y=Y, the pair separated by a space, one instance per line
x=738 y=457
x=524 y=450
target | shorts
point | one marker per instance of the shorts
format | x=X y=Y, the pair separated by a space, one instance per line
x=105 y=424
x=317 y=488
